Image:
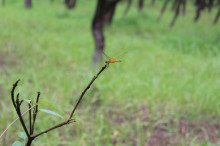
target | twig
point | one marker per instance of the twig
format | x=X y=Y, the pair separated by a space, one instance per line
x=128 y=7
x=81 y=96
x=162 y=10
x=17 y=107
x=70 y=120
x=176 y=13
x=16 y=120
x=17 y=104
x=35 y=113
x=54 y=127
x=12 y=93
x=217 y=16
x=30 y=117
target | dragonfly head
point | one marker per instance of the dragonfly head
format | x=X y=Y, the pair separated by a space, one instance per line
x=106 y=61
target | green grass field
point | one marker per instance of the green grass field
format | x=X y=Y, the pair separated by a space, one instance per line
x=168 y=75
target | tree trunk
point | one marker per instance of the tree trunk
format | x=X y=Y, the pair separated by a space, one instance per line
x=70 y=4
x=28 y=4
x=140 y=5
x=128 y=7
x=3 y=2
x=104 y=14
x=217 y=16
x=163 y=9
x=152 y=2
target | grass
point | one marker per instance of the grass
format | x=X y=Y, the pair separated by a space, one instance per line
x=174 y=73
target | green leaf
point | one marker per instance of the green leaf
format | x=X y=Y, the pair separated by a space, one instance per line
x=22 y=135
x=51 y=105
x=51 y=112
x=18 y=143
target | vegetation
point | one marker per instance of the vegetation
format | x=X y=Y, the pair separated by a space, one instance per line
x=168 y=77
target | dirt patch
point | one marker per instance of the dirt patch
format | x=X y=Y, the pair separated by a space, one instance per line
x=156 y=132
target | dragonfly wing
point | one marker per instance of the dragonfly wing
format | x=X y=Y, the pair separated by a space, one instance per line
x=122 y=54
x=106 y=55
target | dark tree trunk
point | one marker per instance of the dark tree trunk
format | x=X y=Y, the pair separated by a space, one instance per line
x=163 y=10
x=210 y=4
x=28 y=3
x=140 y=5
x=3 y=2
x=217 y=16
x=104 y=14
x=70 y=4
x=153 y=2
x=177 y=10
x=128 y=7
x=184 y=6
x=175 y=4
x=200 y=6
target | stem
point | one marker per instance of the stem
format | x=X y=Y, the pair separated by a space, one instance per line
x=30 y=117
x=69 y=120
x=12 y=93
x=16 y=120
x=35 y=113
x=17 y=105
x=52 y=128
x=81 y=96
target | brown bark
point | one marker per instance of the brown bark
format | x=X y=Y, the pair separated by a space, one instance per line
x=70 y=4
x=140 y=5
x=128 y=7
x=103 y=15
x=163 y=10
x=28 y=4
x=217 y=16
x=3 y=2
x=153 y=2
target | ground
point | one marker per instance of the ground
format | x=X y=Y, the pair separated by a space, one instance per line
x=164 y=92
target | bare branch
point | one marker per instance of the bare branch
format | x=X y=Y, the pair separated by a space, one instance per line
x=12 y=93
x=30 y=117
x=32 y=136
x=16 y=120
x=217 y=16
x=35 y=113
x=163 y=10
x=17 y=107
x=81 y=96
x=52 y=128
x=128 y=7
x=176 y=13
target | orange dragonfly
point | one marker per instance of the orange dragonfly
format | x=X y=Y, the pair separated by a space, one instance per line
x=111 y=60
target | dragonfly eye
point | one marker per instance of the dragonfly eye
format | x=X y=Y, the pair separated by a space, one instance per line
x=106 y=61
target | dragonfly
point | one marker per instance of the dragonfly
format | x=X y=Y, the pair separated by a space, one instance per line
x=111 y=60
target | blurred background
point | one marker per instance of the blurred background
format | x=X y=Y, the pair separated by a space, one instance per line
x=164 y=92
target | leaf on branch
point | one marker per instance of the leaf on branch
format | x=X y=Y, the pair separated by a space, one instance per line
x=51 y=112
x=22 y=135
x=51 y=105
x=18 y=143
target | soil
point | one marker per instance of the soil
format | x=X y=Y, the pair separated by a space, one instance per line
x=171 y=132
